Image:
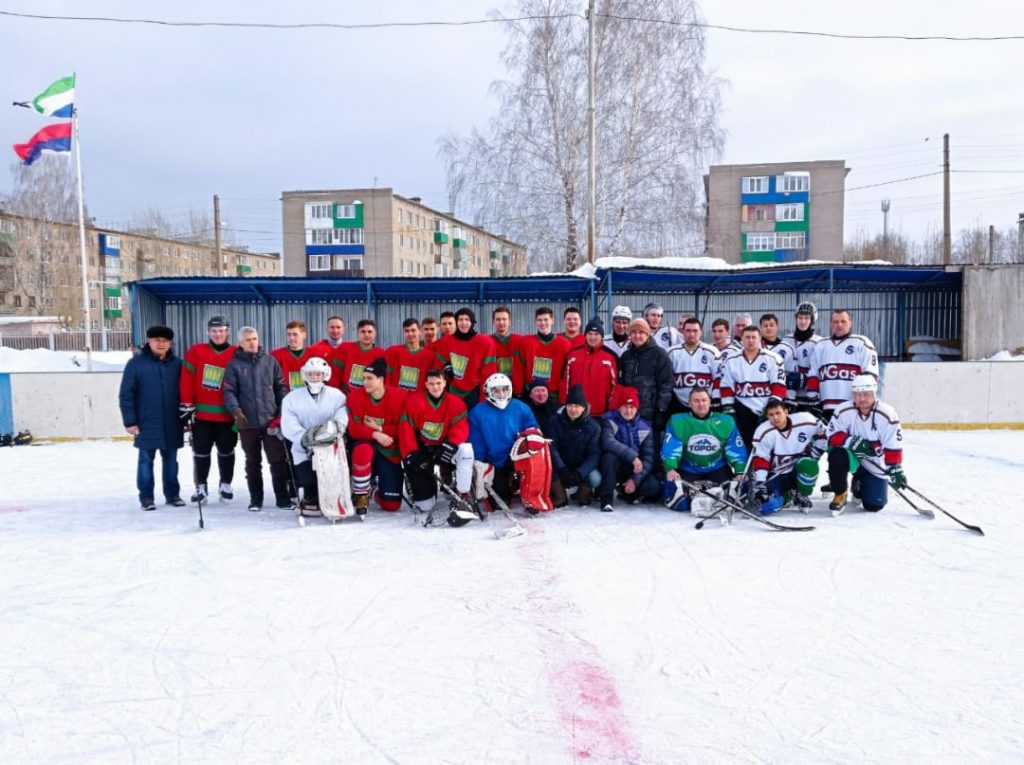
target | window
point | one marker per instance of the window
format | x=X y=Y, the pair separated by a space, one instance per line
x=789 y=212
x=17 y=301
x=346 y=211
x=319 y=211
x=793 y=182
x=791 y=240
x=334 y=236
x=408 y=217
x=760 y=241
x=113 y=242
x=111 y=303
x=319 y=262
x=755 y=184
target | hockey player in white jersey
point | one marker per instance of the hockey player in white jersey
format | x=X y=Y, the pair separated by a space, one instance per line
x=786 y=452
x=695 y=364
x=749 y=379
x=801 y=343
x=618 y=341
x=310 y=415
x=865 y=439
x=664 y=335
x=835 y=361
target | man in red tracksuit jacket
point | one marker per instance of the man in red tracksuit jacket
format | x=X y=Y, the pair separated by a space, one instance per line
x=594 y=368
x=375 y=411
x=470 y=355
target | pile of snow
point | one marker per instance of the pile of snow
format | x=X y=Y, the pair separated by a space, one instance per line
x=1006 y=356
x=625 y=637
x=589 y=270
x=43 y=360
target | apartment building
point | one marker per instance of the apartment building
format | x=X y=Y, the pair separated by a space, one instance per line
x=41 y=273
x=376 y=232
x=775 y=212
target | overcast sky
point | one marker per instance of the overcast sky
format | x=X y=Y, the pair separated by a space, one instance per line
x=172 y=116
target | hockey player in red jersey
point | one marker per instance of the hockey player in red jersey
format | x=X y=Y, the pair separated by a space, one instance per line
x=352 y=358
x=202 y=398
x=409 y=362
x=572 y=323
x=435 y=431
x=507 y=354
x=375 y=411
x=594 y=368
x=335 y=329
x=469 y=355
x=544 y=353
x=294 y=354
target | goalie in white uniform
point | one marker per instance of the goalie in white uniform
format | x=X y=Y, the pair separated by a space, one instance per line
x=311 y=415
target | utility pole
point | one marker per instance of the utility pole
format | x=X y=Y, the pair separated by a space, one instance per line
x=947 y=234
x=885 y=229
x=991 y=243
x=216 y=234
x=592 y=137
x=1020 y=237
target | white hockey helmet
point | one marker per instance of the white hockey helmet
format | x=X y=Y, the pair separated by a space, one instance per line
x=498 y=390
x=864 y=384
x=808 y=309
x=622 y=312
x=315 y=373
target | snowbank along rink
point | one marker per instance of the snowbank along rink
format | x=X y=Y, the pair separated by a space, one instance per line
x=627 y=637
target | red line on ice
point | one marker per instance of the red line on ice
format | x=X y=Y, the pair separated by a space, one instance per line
x=584 y=690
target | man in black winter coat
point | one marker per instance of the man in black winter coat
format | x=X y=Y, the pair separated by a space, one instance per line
x=148 y=399
x=575 y=449
x=646 y=367
x=254 y=387
x=537 y=396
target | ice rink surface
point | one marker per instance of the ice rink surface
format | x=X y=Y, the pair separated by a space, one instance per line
x=628 y=637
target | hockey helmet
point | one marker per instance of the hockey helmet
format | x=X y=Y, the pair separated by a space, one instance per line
x=498 y=390
x=808 y=309
x=675 y=496
x=622 y=312
x=864 y=384
x=315 y=373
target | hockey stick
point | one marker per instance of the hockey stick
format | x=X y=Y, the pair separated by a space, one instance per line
x=515 y=529
x=199 y=504
x=922 y=510
x=724 y=507
x=739 y=508
x=968 y=526
x=187 y=425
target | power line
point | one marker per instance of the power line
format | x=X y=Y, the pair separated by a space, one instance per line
x=503 y=20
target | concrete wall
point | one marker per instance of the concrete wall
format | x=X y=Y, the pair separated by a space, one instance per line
x=993 y=310
x=83 y=405
x=66 y=404
x=954 y=394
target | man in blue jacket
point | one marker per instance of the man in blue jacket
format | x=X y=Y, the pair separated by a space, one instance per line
x=628 y=452
x=149 y=410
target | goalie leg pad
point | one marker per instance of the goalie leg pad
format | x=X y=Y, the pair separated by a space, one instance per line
x=531 y=457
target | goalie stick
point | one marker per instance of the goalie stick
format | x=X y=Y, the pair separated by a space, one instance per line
x=736 y=507
x=509 y=531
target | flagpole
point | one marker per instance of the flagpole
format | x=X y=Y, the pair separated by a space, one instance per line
x=81 y=243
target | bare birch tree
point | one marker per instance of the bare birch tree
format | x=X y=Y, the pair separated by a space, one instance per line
x=657 y=127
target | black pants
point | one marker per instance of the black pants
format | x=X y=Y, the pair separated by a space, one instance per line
x=503 y=477
x=204 y=435
x=615 y=471
x=254 y=442
x=746 y=422
x=305 y=477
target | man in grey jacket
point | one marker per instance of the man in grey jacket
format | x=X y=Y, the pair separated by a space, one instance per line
x=254 y=387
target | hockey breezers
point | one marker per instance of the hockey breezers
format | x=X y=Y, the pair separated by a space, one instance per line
x=968 y=526
x=736 y=507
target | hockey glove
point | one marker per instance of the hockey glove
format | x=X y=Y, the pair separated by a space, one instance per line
x=274 y=428
x=761 y=493
x=449 y=373
x=862 y=447
x=729 y=409
x=897 y=478
x=186 y=412
x=569 y=478
x=447 y=453
x=795 y=381
x=416 y=460
x=241 y=421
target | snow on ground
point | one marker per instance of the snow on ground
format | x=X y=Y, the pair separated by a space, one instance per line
x=599 y=638
x=45 y=360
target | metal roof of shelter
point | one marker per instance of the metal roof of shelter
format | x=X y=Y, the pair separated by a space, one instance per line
x=283 y=289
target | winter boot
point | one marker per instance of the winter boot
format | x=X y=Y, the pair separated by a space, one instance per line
x=584 y=495
x=838 y=503
x=803 y=504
